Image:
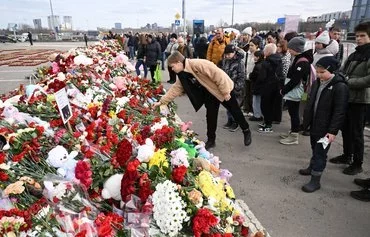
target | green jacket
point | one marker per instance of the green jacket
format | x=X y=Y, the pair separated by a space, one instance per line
x=357 y=71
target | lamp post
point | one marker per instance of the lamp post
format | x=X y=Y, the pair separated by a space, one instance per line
x=52 y=20
x=232 y=15
x=183 y=15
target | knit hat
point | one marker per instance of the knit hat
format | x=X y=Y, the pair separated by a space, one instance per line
x=247 y=31
x=230 y=48
x=330 y=63
x=173 y=35
x=323 y=38
x=297 y=44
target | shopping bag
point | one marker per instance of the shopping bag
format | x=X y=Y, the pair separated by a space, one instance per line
x=158 y=74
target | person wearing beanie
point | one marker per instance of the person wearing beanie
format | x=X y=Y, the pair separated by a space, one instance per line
x=324 y=115
x=234 y=66
x=293 y=89
x=357 y=72
x=324 y=46
x=171 y=47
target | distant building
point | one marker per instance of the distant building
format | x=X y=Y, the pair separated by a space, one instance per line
x=37 y=24
x=54 y=23
x=67 y=23
x=339 y=15
x=360 y=13
x=154 y=26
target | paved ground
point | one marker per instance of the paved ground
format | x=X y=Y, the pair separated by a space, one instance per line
x=265 y=174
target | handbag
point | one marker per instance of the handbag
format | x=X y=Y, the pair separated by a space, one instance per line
x=158 y=74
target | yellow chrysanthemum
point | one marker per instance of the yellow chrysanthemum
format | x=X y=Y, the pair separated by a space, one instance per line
x=112 y=114
x=159 y=159
x=230 y=192
x=213 y=188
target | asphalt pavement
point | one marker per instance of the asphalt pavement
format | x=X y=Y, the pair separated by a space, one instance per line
x=265 y=174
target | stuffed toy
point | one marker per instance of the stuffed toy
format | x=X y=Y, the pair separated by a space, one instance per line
x=225 y=174
x=59 y=158
x=112 y=187
x=202 y=151
x=120 y=83
x=33 y=187
x=185 y=126
x=189 y=148
x=203 y=164
x=146 y=151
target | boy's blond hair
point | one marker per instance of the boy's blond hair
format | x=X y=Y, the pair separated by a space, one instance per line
x=175 y=57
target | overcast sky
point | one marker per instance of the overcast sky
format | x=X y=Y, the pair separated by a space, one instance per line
x=88 y=14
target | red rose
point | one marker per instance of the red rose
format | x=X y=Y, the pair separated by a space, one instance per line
x=203 y=221
x=2 y=157
x=178 y=174
x=245 y=231
x=124 y=152
x=3 y=176
x=105 y=230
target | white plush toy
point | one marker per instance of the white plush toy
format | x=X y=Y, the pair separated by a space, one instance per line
x=59 y=158
x=146 y=151
x=112 y=187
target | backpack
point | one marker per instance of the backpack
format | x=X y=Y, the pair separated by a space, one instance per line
x=279 y=73
x=312 y=77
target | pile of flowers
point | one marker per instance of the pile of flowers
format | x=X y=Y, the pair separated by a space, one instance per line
x=118 y=167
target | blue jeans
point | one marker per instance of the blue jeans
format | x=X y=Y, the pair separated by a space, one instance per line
x=256 y=104
x=319 y=155
x=137 y=66
x=132 y=52
x=163 y=59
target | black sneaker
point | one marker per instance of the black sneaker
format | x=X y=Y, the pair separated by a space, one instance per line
x=228 y=124
x=210 y=144
x=363 y=195
x=247 y=137
x=352 y=170
x=234 y=127
x=255 y=119
x=342 y=159
x=364 y=183
x=265 y=130
x=306 y=133
x=261 y=125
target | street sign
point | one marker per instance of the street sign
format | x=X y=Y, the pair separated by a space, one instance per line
x=281 y=21
x=177 y=16
x=177 y=22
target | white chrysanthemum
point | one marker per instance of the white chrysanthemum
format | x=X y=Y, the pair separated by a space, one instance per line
x=168 y=211
x=159 y=125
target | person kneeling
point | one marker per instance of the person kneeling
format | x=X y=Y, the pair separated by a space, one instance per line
x=324 y=115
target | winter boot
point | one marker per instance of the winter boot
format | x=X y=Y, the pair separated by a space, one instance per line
x=284 y=135
x=228 y=124
x=364 y=183
x=353 y=169
x=363 y=195
x=306 y=171
x=291 y=139
x=313 y=185
x=234 y=127
x=342 y=159
x=210 y=144
x=247 y=137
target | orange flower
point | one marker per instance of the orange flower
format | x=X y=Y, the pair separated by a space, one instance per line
x=14 y=188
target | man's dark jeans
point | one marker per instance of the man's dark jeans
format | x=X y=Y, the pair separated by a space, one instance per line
x=353 y=133
x=212 y=105
x=319 y=155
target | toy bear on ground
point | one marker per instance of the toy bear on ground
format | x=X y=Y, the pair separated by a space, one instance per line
x=59 y=158
x=112 y=187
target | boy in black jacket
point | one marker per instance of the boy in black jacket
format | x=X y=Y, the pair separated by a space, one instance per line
x=325 y=115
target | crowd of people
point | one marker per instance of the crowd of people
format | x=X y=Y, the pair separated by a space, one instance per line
x=257 y=77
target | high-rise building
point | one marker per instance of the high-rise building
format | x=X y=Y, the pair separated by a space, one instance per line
x=37 y=24
x=360 y=13
x=118 y=26
x=67 y=23
x=54 y=23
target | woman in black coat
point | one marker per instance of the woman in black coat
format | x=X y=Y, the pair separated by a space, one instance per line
x=153 y=55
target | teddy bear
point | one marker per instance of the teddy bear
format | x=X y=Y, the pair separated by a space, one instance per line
x=146 y=151
x=112 y=187
x=65 y=163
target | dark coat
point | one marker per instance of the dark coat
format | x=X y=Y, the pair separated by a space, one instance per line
x=141 y=51
x=193 y=89
x=201 y=48
x=153 y=53
x=253 y=76
x=267 y=78
x=298 y=71
x=357 y=70
x=331 y=108
x=235 y=69
x=163 y=42
x=131 y=40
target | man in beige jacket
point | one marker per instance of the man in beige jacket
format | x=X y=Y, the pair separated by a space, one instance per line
x=205 y=83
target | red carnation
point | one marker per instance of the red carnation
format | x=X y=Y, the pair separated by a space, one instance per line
x=203 y=221
x=124 y=152
x=3 y=176
x=2 y=157
x=178 y=174
x=83 y=173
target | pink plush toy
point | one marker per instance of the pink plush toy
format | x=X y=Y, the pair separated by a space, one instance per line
x=186 y=126
x=120 y=83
